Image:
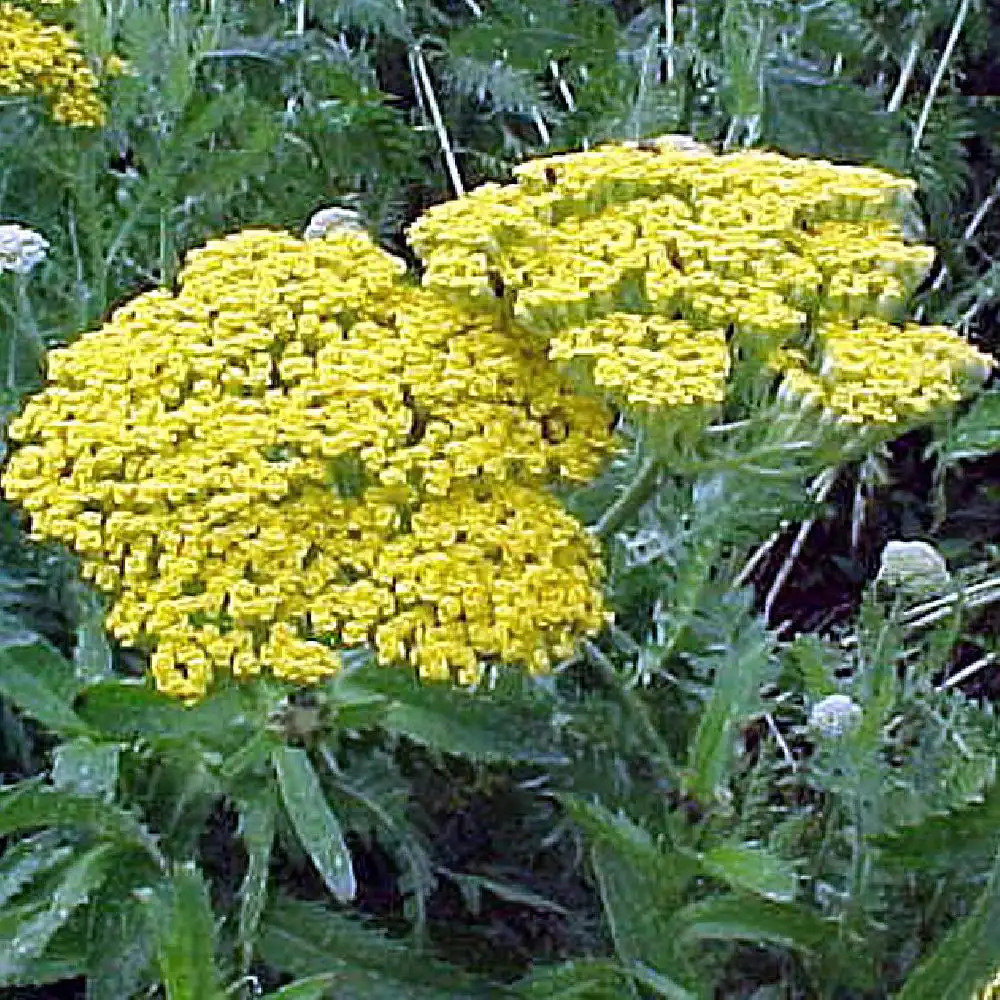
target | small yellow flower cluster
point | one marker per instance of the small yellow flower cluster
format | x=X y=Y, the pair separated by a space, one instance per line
x=300 y=451
x=874 y=372
x=591 y=251
x=45 y=60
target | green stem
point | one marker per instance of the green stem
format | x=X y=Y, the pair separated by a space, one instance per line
x=634 y=496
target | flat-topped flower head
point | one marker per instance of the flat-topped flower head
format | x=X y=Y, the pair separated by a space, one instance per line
x=302 y=451
x=44 y=60
x=779 y=258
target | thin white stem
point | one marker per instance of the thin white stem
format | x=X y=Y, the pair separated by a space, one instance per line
x=825 y=482
x=439 y=126
x=780 y=740
x=949 y=48
x=966 y=672
x=754 y=561
x=909 y=64
x=985 y=206
x=668 y=20
x=543 y=129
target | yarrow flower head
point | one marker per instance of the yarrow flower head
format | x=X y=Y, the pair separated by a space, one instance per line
x=44 y=60
x=659 y=265
x=21 y=249
x=300 y=451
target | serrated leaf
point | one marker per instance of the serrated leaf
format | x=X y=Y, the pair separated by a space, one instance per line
x=975 y=434
x=315 y=823
x=84 y=767
x=306 y=939
x=41 y=683
x=462 y=722
x=32 y=856
x=745 y=866
x=181 y=922
x=746 y=918
x=967 y=838
x=25 y=939
x=967 y=958
x=30 y=805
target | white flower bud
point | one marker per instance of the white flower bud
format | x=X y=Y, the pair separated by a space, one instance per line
x=834 y=715
x=913 y=568
x=328 y=220
x=20 y=249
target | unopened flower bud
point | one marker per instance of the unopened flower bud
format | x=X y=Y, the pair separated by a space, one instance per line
x=834 y=715
x=913 y=568
x=21 y=250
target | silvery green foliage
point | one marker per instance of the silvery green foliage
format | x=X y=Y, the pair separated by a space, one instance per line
x=21 y=249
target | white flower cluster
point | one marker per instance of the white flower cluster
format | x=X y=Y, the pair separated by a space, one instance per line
x=835 y=715
x=21 y=250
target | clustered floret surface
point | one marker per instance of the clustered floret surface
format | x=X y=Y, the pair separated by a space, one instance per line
x=646 y=262
x=44 y=60
x=302 y=450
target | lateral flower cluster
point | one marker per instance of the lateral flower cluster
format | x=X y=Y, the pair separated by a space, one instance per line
x=299 y=451
x=44 y=60
x=645 y=261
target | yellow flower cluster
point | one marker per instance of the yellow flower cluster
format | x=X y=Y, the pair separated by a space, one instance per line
x=45 y=60
x=645 y=257
x=301 y=451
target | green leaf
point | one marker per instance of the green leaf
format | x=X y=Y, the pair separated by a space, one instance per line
x=739 y=672
x=976 y=434
x=41 y=683
x=661 y=985
x=257 y=833
x=125 y=710
x=745 y=866
x=967 y=958
x=311 y=988
x=92 y=656
x=181 y=922
x=462 y=722
x=26 y=931
x=967 y=838
x=122 y=947
x=84 y=767
x=32 y=856
x=746 y=918
x=315 y=824
x=306 y=939
x=640 y=884
x=587 y=979
x=29 y=805
x=473 y=886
